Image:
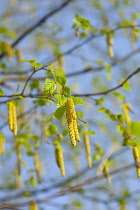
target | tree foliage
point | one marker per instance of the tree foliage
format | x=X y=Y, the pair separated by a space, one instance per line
x=69 y=98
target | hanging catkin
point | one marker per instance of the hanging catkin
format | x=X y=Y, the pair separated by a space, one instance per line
x=33 y=205
x=59 y=159
x=37 y=167
x=109 y=42
x=87 y=148
x=19 y=159
x=136 y=156
x=8 y=50
x=72 y=124
x=2 y=146
x=107 y=175
x=126 y=108
x=12 y=118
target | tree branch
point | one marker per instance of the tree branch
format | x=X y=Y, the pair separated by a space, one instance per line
x=41 y=21
x=110 y=90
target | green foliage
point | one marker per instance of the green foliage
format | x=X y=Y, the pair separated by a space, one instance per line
x=126 y=86
x=66 y=91
x=100 y=101
x=61 y=80
x=2 y=136
x=34 y=84
x=61 y=100
x=49 y=87
x=51 y=130
x=1 y=92
x=120 y=97
x=59 y=112
x=33 y=63
x=135 y=129
x=99 y=152
x=77 y=100
x=81 y=22
x=120 y=118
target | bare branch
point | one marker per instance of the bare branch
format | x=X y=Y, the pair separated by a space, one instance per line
x=41 y=21
x=110 y=90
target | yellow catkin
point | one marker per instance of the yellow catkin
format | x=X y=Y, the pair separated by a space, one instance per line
x=37 y=167
x=87 y=148
x=8 y=50
x=126 y=108
x=122 y=205
x=19 y=159
x=71 y=133
x=33 y=205
x=107 y=175
x=10 y=116
x=109 y=41
x=2 y=146
x=60 y=160
x=137 y=159
x=14 y=120
x=77 y=137
x=18 y=55
x=72 y=124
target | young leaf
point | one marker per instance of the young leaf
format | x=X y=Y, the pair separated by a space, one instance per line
x=59 y=112
x=66 y=91
x=77 y=100
x=135 y=128
x=52 y=129
x=61 y=100
x=36 y=65
x=1 y=92
x=61 y=80
x=49 y=87
x=126 y=86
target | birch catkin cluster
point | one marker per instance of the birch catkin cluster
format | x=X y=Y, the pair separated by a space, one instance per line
x=33 y=205
x=109 y=41
x=59 y=159
x=12 y=118
x=107 y=175
x=136 y=156
x=87 y=148
x=2 y=146
x=72 y=124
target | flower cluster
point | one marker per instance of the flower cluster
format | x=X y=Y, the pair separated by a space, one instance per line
x=72 y=124
x=12 y=118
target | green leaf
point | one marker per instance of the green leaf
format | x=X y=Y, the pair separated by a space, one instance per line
x=90 y=132
x=34 y=84
x=66 y=91
x=1 y=92
x=120 y=128
x=36 y=65
x=65 y=132
x=2 y=137
x=101 y=109
x=61 y=80
x=49 y=87
x=52 y=129
x=100 y=101
x=120 y=118
x=135 y=129
x=59 y=112
x=108 y=68
x=126 y=85
x=77 y=100
x=61 y=100
x=82 y=22
x=32 y=181
x=30 y=61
